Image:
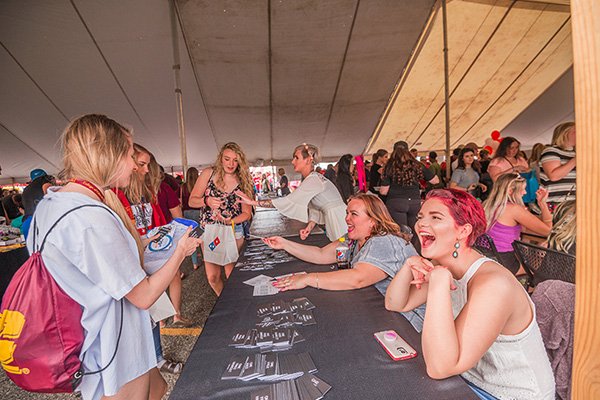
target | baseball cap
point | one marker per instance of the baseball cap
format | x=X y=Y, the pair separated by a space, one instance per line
x=36 y=173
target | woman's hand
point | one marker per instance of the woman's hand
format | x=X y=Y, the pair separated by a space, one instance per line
x=275 y=242
x=541 y=195
x=292 y=282
x=187 y=245
x=483 y=187
x=213 y=202
x=304 y=233
x=146 y=240
x=471 y=187
x=244 y=199
x=420 y=268
x=442 y=274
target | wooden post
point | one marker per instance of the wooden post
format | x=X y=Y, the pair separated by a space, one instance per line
x=585 y=16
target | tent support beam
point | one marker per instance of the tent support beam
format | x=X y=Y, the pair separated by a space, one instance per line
x=446 y=89
x=178 y=93
x=585 y=15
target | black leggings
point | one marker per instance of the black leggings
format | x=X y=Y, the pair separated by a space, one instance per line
x=404 y=212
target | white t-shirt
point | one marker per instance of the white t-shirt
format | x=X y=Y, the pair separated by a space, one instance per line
x=94 y=259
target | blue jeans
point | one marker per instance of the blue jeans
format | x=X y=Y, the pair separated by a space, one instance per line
x=482 y=394
x=157 y=345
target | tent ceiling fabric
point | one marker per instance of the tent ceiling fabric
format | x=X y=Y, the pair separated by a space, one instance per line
x=502 y=56
x=277 y=73
x=61 y=59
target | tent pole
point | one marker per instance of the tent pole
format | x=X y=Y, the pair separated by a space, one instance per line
x=586 y=71
x=446 y=90
x=178 y=93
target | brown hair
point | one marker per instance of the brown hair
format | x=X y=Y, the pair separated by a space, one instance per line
x=378 y=212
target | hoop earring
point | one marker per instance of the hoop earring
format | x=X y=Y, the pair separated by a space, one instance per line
x=456 y=247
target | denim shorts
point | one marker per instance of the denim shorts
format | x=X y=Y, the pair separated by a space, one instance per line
x=239 y=231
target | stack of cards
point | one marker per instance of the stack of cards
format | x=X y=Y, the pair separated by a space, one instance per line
x=260 y=257
x=307 y=387
x=269 y=367
x=267 y=339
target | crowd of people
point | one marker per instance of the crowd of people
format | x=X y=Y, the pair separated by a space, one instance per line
x=410 y=232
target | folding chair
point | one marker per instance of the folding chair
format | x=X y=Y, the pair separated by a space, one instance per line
x=485 y=245
x=542 y=264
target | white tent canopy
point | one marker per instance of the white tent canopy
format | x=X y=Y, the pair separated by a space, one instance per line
x=266 y=74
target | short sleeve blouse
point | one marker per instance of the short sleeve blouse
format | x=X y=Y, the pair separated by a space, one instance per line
x=94 y=259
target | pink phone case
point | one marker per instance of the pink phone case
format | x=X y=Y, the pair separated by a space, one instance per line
x=396 y=347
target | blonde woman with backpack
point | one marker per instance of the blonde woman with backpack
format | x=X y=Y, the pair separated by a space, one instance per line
x=95 y=256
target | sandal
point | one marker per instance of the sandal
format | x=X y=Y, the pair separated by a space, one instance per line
x=171 y=367
x=196 y=266
x=182 y=323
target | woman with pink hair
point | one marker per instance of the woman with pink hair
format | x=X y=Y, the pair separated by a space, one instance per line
x=479 y=322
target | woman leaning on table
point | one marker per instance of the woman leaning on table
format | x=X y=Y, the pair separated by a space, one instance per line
x=377 y=251
x=95 y=256
x=316 y=200
x=480 y=322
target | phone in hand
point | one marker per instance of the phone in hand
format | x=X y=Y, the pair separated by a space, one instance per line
x=396 y=347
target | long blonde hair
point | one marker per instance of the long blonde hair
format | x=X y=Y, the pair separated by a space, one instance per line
x=143 y=187
x=93 y=148
x=242 y=171
x=507 y=189
x=379 y=214
x=564 y=227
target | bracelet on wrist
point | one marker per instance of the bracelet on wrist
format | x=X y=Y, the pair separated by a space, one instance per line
x=317 y=278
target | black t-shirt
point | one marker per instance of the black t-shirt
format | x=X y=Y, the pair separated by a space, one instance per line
x=405 y=192
x=284 y=183
x=11 y=208
x=374 y=177
x=33 y=193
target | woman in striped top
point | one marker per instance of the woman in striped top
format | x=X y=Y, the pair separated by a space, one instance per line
x=558 y=172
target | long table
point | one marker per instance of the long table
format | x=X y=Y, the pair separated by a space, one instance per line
x=341 y=344
x=10 y=262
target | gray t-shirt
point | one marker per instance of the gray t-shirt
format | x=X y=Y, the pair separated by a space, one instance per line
x=388 y=253
x=465 y=177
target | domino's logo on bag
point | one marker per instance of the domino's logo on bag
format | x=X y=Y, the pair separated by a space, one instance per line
x=214 y=244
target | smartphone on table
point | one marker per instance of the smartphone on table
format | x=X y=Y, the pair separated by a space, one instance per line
x=396 y=347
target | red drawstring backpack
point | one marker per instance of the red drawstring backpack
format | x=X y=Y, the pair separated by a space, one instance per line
x=40 y=328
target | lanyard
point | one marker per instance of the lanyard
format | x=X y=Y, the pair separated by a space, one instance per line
x=89 y=185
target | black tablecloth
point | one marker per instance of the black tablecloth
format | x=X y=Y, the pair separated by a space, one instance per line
x=10 y=262
x=341 y=344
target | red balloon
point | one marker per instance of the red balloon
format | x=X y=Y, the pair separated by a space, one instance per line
x=496 y=135
x=489 y=149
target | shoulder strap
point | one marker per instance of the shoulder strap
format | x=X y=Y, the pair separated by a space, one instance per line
x=58 y=220
x=474 y=268
x=79 y=374
x=507 y=160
